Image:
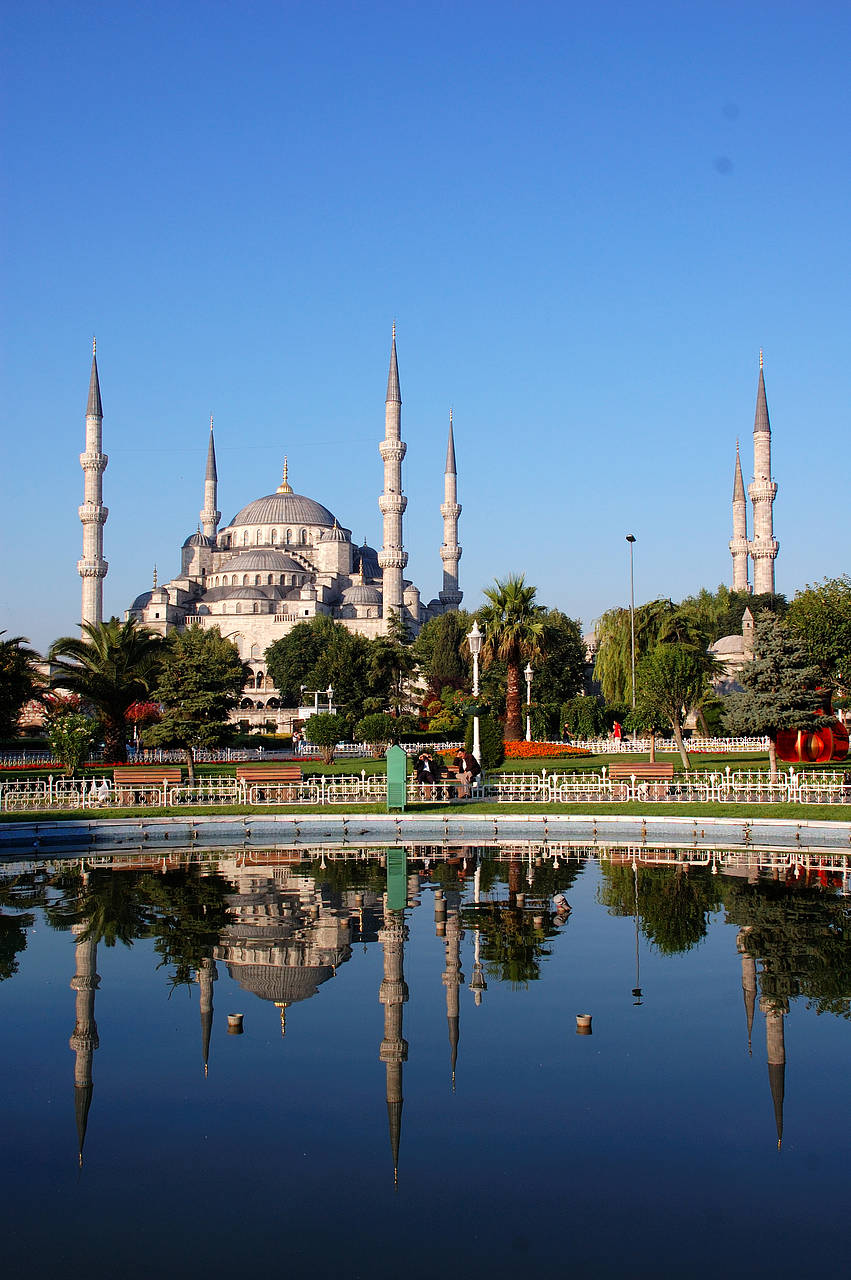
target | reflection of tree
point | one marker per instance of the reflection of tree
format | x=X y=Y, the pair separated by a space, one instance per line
x=673 y=902
x=188 y=916
x=800 y=935
x=109 y=904
x=513 y=938
x=18 y=892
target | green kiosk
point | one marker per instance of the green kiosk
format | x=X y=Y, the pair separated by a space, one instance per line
x=397 y=779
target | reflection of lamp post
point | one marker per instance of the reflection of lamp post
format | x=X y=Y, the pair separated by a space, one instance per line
x=528 y=674
x=636 y=990
x=631 y=540
x=477 y=981
x=474 y=642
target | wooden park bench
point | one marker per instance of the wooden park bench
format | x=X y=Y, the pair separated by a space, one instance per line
x=130 y=778
x=268 y=773
x=641 y=770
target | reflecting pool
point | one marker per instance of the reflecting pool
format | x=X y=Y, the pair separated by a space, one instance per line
x=371 y=1061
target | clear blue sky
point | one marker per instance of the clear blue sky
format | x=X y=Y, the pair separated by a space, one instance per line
x=585 y=219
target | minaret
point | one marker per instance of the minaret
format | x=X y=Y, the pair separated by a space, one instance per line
x=739 y=540
x=775 y=1052
x=210 y=517
x=207 y=975
x=392 y=557
x=452 y=979
x=84 y=1040
x=748 y=979
x=450 y=552
x=762 y=489
x=92 y=567
x=394 y=1048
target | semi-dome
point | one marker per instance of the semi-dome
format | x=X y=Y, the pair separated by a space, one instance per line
x=257 y=559
x=361 y=594
x=283 y=509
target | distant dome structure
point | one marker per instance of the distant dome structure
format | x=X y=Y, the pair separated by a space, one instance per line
x=285 y=559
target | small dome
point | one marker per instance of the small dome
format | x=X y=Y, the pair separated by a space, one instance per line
x=334 y=534
x=283 y=509
x=365 y=561
x=246 y=593
x=257 y=558
x=362 y=595
x=198 y=539
x=285 y=984
x=728 y=645
x=142 y=601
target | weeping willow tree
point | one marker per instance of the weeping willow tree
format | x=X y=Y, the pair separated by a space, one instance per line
x=613 y=663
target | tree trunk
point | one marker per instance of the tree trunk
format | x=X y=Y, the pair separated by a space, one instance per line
x=190 y=764
x=681 y=746
x=115 y=742
x=513 y=722
x=772 y=758
x=652 y=748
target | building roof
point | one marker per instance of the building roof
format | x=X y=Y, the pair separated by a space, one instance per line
x=283 y=509
x=257 y=558
x=365 y=561
x=361 y=594
x=335 y=534
x=198 y=539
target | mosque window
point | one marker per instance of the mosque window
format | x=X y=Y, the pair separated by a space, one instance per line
x=237 y=609
x=257 y=579
x=269 y=580
x=289 y=535
x=274 y=536
x=304 y=535
x=283 y=576
x=245 y=538
x=245 y=579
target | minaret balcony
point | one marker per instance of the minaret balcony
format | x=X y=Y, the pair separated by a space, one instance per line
x=450 y=553
x=450 y=510
x=92 y=568
x=393 y=559
x=93 y=513
x=764 y=549
x=762 y=490
x=93 y=461
x=392 y=450
x=392 y=503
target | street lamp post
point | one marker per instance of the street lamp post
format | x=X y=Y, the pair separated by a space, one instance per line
x=631 y=540
x=474 y=641
x=528 y=674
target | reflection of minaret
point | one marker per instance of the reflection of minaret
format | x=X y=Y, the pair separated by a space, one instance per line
x=207 y=975
x=452 y=978
x=477 y=982
x=394 y=1048
x=775 y=1052
x=748 y=978
x=84 y=1040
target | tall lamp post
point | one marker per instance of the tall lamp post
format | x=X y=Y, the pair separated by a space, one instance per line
x=528 y=674
x=631 y=540
x=474 y=641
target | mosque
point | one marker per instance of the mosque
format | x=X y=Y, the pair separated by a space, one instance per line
x=284 y=558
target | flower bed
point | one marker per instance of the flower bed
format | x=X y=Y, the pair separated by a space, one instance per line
x=541 y=750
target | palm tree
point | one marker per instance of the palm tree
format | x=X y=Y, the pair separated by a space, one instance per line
x=20 y=681
x=112 y=665
x=515 y=631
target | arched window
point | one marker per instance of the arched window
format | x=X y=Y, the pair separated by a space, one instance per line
x=289 y=536
x=237 y=609
x=304 y=535
x=269 y=580
x=245 y=538
x=257 y=579
x=283 y=576
x=274 y=536
x=245 y=579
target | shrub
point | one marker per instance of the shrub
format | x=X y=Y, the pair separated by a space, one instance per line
x=378 y=729
x=490 y=738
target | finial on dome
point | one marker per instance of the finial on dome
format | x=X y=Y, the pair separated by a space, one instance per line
x=155 y=577
x=211 y=422
x=284 y=486
x=394 y=330
x=94 y=345
x=760 y=357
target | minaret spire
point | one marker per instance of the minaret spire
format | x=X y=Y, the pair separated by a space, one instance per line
x=392 y=557
x=739 y=540
x=762 y=489
x=210 y=517
x=450 y=552
x=84 y=1039
x=393 y=994
x=452 y=979
x=775 y=1052
x=92 y=567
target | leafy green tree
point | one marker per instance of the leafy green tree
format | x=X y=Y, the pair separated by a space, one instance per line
x=199 y=684
x=292 y=659
x=515 y=632
x=70 y=731
x=670 y=682
x=110 y=906
x=613 y=634
x=20 y=681
x=379 y=730
x=442 y=653
x=490 y=740
x=187 y=915
x=560 y=671
x=779 y=687
x=673 y=903
x=364 y=674
x=391 y=665
x=821 y=614
x=111 y=665
x=583 y=717
x=325 y=730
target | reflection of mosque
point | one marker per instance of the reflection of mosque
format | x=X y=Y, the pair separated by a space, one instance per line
x=288 y=934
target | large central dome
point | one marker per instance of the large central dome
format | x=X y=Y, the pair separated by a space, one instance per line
x=284 y=509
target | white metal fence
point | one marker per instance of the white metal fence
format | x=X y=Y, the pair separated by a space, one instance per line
x=727 y=786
